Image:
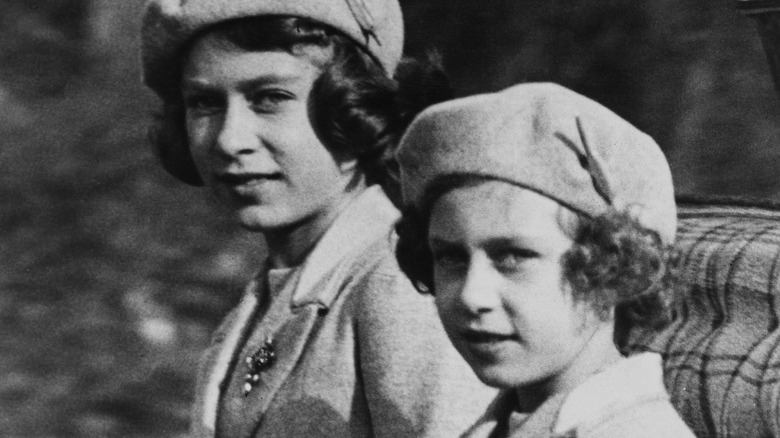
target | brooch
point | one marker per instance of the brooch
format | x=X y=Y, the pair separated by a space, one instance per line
x=261 y=360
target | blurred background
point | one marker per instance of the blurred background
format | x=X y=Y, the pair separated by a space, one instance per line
x=113 y=275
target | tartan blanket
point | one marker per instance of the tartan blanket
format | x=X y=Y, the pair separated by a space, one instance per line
x=722 y=351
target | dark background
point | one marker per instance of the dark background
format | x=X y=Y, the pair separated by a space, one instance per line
x=113 y=275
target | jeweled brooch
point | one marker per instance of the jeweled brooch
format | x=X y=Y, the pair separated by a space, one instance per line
x=261 y=360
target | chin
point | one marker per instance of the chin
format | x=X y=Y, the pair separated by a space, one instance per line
x=495 y=374
x=507 y=375
x=496 y=378
x=256 y=219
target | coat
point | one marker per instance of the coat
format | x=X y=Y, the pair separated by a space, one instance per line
x=362 y=353
x=626 y=400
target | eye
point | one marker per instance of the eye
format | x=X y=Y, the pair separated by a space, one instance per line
x=202 y=103
x=512 y=259
x=450 y=259
x=269 y=101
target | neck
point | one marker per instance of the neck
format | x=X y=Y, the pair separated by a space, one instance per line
x=290 y=246
x=597 y=354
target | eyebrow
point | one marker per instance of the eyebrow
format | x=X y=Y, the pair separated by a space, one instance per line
x=489 y=243
x=440 y=242
x=246 y=85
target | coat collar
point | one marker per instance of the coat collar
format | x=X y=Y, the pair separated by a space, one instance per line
x=216 y=362
x=637 y=377
x=368 y=218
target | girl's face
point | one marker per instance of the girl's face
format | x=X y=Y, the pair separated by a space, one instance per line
x=251 y=138
x=500 y=290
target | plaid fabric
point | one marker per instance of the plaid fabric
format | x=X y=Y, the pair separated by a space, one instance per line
x=721 y=353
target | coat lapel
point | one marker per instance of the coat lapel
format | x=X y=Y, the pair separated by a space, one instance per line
x=290 y=341
x=217 y=359
x=499 y=408
x=365 y=220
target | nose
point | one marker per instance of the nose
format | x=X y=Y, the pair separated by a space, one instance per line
x=236 y=135
x=480 y=291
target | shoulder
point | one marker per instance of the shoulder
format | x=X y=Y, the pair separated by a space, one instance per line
x=626 y=400
x=383 y=302
x=384 y=288
x=643 y=419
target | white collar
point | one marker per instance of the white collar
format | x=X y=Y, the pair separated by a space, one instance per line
x=631 y=378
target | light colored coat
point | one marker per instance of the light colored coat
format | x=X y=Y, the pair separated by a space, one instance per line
x=363 y=354
x=626 y=400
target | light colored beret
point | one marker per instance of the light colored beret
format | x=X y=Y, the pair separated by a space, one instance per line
x=548 y=139
x=375 y=25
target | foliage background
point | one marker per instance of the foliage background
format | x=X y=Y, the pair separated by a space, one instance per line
x=113 y=275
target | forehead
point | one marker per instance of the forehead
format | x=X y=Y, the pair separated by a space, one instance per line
x=213 y=58
x=494 y=209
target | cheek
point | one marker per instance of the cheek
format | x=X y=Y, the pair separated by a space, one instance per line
x=448 y=287
x=568 y=325
x=297 y=148
x=445 y=301
x=198 y=139
x=541 y=303
x=316 y=168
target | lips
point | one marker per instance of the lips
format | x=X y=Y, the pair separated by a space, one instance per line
x=249 y=185
x=486 y=347
x=484 y=337
x=239 y=179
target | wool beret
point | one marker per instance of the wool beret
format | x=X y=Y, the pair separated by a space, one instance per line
x=548 y=139
x=168 y=25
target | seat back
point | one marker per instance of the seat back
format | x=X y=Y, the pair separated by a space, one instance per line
x=721 y=352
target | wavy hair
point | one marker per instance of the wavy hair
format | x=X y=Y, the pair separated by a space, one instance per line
x=614 y=262
x=357 y=110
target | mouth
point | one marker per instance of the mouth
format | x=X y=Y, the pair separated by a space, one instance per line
x=487 y=338
x=487 y=346
x=247 y=179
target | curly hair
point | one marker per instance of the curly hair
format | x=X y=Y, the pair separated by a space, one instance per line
x=356 y=109
x=614 y=262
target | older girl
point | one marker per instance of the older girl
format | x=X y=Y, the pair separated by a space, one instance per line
x=286 y=110
x=543 y=223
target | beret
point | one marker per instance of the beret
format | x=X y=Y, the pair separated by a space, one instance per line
x=168 y=25
x=546 y=138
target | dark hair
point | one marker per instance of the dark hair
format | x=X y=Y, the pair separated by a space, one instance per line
x=614 y=262
x=356 y=109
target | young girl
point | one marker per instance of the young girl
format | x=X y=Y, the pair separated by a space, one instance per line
x=546 y=222
x=285 y=109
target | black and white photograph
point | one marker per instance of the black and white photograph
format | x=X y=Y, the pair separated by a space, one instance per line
x=390 y=218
